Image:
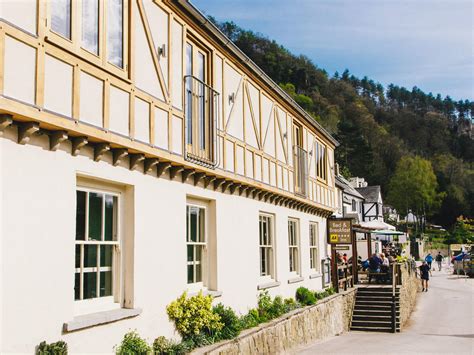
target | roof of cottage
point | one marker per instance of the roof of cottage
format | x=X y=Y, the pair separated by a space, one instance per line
x=370 y=193
x=343 y=184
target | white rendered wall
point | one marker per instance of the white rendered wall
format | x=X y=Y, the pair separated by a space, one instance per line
x=38 y=202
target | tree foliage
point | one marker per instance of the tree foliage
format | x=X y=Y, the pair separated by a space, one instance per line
x=376 y=126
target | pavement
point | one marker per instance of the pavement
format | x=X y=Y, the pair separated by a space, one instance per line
x=442 y=323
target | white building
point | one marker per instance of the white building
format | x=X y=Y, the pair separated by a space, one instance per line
x=143 y=155
x=373 y=203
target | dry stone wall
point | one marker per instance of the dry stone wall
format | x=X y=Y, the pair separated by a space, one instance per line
x=408 y=293
x=328 y=317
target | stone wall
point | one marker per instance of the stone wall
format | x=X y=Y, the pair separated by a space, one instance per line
x=408 y=293
x=328 y=317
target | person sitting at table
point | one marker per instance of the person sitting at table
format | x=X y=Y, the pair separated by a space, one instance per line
x=374 y=265
x=385 y=267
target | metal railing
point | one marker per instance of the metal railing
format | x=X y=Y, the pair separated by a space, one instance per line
x=300 y=164
x=201 y=107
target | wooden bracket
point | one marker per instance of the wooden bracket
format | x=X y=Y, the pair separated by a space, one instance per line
x=162 y=167
x=218 y=182
x=56 y=138
x=77 y=144
x=256 y=192
x=208 y=180
x=174 y=170
x=5 y=121
x=250 y=191
x=99 y=150
x=198 y=177
x=136 y=159
x=242 y=189
x=150 y=163
x=234 y=187
x=185 y=174
x=226 y=185
x=118 y=155
x=26 y=130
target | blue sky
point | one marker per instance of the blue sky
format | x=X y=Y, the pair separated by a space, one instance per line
x=427 y=43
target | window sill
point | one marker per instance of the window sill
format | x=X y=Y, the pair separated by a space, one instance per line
x=214 y=294
x=315 y=276
x=296 y=279
x=90 y=320
x=268 y=285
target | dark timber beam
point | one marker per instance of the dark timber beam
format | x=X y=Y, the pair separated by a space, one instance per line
x=208 y=180
x=234 y=187
x=162 y=167
x=242 y=189
x=218 y=182
x=26 y=130
x=56 y=138
x=226 y=185
x=118 y=155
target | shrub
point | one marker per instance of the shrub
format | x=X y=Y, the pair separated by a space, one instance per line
x=194 y=315
x=232 y=326
x=290 y=304
x=132 y=343
x=250 y=320
x=305 y=296
x=57 y=348
x=164 y=346
x=330 y=291
x=277 y=308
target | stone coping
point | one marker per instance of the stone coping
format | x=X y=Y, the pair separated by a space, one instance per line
x=90 y=320
x=272 y=323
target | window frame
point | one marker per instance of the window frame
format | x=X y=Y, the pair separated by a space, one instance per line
x=294 y=247
x=314 y=262
x=271 y=258
x=114 y=301
x=74 y=44
x=321 y=160
x=203 y=283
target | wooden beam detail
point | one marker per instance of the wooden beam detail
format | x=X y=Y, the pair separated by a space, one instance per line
x=198 y=176
x=226 y=185
x=99 y=150
x=118 y=155
x=186 y=174
x=250 y=191
x=77 y=144
x=242 y=189
x=162 y=167
x=218 y=182
x=56 y=138
x=234 y=187
x=26 y=130
x=136 y=159
x=174 y=170
x=150 y=163
x=208 y=180
x=5 y=121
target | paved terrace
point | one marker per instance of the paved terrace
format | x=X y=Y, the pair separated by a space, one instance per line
x=442 y=323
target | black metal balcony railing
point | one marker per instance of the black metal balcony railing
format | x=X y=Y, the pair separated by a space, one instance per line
x=300 y=165
x=201 y=106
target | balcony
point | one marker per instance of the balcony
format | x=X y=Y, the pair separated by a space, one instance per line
x=200 y=126
x=300 y=163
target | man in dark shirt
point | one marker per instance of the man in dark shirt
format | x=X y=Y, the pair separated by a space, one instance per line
x=439 y=260
x=425 y=271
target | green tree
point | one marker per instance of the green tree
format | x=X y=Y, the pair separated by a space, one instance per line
x=413 y=188
x=460 y=234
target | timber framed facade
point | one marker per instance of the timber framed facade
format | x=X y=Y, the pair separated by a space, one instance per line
x=120 y=112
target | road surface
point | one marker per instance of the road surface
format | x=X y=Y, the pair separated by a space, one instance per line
x=442 y=323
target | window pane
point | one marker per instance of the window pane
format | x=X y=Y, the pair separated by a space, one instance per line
x=202 y=225
x=201 y=93
x=190 y=253
x=106 y=255
x=198 y=273
x=105 y=283
x=190 y=274
x=189 y=109
x=95 y=216
x=115 y=32
x=90 y=255
x=61 y=17
x=110 y=223
x=198 y=256
x=90 y=285
x=90 y=25
x=193 y=221
x=78 y=256
x=77 y=286
x=80 y=215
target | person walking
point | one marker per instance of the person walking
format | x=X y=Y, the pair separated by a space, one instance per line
x=425 y=271
x=439 y=260
x=429 y=259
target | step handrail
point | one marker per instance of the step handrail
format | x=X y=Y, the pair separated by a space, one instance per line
x=394 y=285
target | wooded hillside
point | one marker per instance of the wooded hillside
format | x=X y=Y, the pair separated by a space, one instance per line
x=377 y=126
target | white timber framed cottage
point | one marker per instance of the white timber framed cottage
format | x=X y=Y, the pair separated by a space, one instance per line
x=142 y=155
